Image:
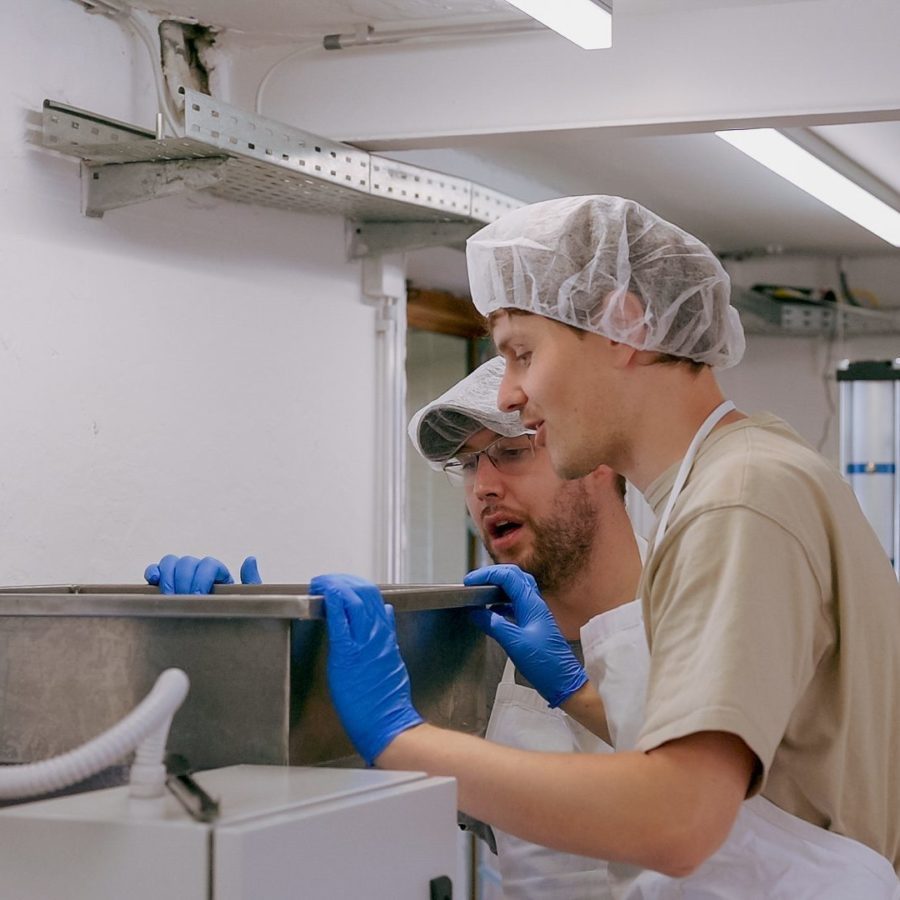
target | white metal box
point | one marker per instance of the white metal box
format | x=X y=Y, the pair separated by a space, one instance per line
x=283 y=834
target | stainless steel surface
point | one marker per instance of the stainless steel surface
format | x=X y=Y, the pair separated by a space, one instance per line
x=76 y=658
x=66 y=678
x=277 y=601
x=269 y=163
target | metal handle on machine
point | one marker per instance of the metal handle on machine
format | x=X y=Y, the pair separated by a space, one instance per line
x=180 y=782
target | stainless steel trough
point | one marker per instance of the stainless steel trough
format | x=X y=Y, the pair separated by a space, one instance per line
x=75 y=659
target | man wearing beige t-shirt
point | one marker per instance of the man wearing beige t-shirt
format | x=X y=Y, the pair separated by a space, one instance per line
x=772 y=723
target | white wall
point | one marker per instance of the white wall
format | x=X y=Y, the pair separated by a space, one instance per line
x=186 y=375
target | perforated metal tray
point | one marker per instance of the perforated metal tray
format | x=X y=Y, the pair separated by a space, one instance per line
x=274 y=164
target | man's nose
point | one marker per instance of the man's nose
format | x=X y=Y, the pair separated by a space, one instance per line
x=488 y=480
x=510 y=397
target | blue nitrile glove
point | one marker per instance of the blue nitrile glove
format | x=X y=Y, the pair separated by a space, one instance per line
x=189 y=575
x=366 y=675
x=531 y=638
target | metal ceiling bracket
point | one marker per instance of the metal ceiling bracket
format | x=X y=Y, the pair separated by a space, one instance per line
x=112 y=185
x=377 y=238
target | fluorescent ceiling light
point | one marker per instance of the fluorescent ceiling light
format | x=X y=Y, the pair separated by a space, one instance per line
x=800 y=167
x=583 y=22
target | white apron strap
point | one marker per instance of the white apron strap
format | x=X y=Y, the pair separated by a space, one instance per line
x=687 y=464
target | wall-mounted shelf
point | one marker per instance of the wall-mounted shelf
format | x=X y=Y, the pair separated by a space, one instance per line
x=760 y=314
x=240 y=156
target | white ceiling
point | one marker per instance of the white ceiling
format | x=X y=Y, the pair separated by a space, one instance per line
x=302 y=18
x=694 y=179
x=313 y=18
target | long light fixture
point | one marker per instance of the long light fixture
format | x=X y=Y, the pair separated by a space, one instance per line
x=584 y=22
x=787 y=159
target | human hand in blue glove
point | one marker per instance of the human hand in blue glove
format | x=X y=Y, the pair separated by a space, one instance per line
x=529 y=635
x=189 y=575
x=366 y=675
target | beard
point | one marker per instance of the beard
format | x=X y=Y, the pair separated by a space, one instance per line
x=563 y=540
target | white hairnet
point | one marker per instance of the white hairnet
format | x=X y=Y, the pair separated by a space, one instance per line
x=610 y=266
x=441 y=427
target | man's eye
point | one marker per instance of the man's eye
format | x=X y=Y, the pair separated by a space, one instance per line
x=523 y=359
x=469 y=464
x=510 y=454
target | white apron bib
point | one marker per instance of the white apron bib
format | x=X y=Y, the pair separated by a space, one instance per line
x=521 y=718
x=769 y=854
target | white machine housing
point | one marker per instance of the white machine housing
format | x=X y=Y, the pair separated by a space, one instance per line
x=283 y=834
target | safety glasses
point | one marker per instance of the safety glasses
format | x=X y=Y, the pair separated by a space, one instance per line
x=509 y=455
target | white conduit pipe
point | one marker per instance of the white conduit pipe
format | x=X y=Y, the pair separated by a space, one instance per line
x=122 y=11
x=166 y=109
x=146 y=728
x=367 y=36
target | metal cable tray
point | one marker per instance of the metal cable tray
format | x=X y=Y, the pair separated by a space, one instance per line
x=247 y=158
x=760 y=314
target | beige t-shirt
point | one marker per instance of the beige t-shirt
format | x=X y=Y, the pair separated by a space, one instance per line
x=773 y=613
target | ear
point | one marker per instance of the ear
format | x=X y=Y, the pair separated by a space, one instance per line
x=630 y=320
x=603 y=478
x=646 y=357
x=622 y=355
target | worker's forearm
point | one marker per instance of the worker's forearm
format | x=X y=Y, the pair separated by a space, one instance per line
x=585 y=706
x=655 y=810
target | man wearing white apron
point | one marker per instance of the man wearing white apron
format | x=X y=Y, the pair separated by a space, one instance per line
x=576 y=539
x=772 y=613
